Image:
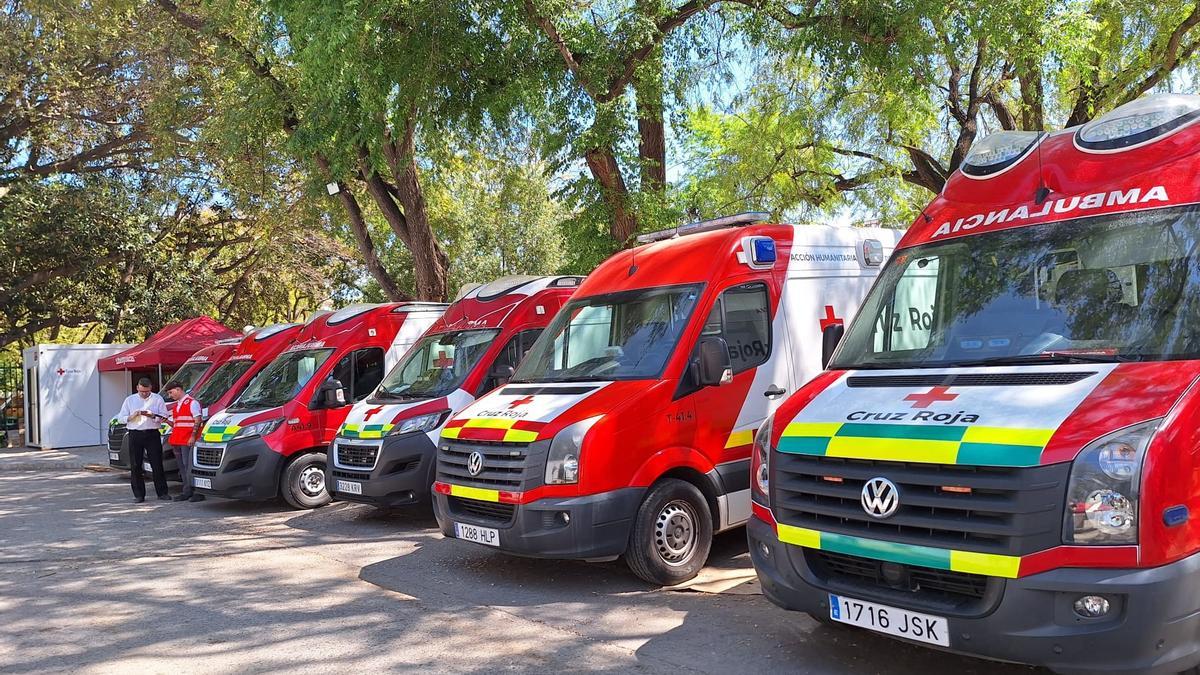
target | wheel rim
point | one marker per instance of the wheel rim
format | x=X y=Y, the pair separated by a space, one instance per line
x=675 y=533
x=312 y=481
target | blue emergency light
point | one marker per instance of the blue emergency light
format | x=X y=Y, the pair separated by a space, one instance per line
x=762 y=251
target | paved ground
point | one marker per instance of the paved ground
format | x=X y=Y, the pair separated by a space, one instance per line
x=90 y=582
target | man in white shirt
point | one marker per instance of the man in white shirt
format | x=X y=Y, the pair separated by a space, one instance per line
x=142 y=414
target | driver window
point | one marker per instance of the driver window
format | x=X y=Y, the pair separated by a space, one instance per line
x=511 y=355
x=368 y=372
x=906 y=322
x=742 y=316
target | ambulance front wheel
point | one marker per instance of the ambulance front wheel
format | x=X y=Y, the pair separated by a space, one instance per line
x=303 y=484
x=672 y=534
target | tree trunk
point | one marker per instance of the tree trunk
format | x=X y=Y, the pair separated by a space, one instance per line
x=362 y=238
x=430 y=262
x=652 y=140
x=1029 y=77
x=607 y=173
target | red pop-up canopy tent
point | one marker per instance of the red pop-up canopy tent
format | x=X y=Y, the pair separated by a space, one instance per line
x=170 y=347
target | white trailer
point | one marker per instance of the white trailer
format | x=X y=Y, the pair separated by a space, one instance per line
x=68 y=401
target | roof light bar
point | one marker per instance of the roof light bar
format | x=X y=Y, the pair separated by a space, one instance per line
x=1139 y=122
x=999 y=152
x=736 y=220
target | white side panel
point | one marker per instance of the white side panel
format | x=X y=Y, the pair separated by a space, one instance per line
x=70 y=410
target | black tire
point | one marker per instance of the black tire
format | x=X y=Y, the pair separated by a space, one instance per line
x=299 y=484
x=672 y=534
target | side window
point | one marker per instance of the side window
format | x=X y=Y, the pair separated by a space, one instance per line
x=511 y=355
x=746 y=325
x=368 y=373
x=906 y=323
x=344 y=372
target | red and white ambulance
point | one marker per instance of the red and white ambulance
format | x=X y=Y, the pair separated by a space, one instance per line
x=1002 y=457
x=627 y=428
x=271 y=441
x=384 y=453
x=225 y=382
x=194 y=371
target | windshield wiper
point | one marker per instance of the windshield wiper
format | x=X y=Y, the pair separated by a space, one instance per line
x=1047 y=357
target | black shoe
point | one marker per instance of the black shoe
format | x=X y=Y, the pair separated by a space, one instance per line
x=165 y=498
x=138 y=500
x=181 y=498
x=196 y=498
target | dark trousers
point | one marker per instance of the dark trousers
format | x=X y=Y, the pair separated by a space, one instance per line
x=146 y=445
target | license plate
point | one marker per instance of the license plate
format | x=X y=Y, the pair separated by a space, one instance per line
x=891 y=620
x=114 y=456
x=349 y=487
x=479 y=535
x=205 y=483
x=146 y=467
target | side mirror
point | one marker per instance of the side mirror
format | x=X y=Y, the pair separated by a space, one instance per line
x=333 y=394
x=713 y=366
x=830 y=337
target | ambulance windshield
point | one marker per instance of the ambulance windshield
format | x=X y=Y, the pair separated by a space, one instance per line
x=437 y=365
x=279 y=382
x=1122 y=287
x=220 y=382
x=621 y=336
x=190 y=373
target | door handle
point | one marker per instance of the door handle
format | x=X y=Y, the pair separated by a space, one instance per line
x=773 y=392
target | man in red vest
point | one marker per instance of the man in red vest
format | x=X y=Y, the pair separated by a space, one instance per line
x=185 y=431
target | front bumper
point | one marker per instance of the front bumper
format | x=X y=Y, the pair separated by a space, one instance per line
x=249 y=470
x=118 y=454
x=1154 y=626
x=401 y=474
x=596 y=526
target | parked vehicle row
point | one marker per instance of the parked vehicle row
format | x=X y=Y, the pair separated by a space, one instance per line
x=980 y=436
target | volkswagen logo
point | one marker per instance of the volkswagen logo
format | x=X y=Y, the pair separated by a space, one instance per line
x=475 y=463
x=880 y=499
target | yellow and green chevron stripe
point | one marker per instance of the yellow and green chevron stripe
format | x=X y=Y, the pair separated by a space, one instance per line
x=216 y=433
x=988 y=564
x=934 y=444
x=365 y=431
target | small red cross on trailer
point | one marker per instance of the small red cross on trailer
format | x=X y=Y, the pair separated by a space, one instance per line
x=830 y=319
x=372 y=412
x=443 y=361
x=60 y=372
x=934 y=395
x=521 y=401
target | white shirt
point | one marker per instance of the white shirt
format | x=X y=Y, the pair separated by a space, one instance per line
x=152 y=403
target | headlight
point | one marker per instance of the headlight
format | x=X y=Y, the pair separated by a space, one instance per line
x=1102 y=495
x=562 y=463
x=423 y=423
x=259 y=428
x=761 y=460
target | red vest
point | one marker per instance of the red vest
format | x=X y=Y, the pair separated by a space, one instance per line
x=182 y=421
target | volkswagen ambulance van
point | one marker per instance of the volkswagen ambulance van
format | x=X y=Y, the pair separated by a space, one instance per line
x=384 y=454
x=626 y=430
x=271 y=441
x=1001 y=459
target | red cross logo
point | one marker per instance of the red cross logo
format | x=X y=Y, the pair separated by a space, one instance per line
x=521 y=401
x=371 y=412
x=443 y=361
x=934 y=395
x=830 y=319
x=60 y=372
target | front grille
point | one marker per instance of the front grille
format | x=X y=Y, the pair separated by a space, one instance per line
x=969 y=379
x=1008 y=511
x=116 y=434
x=357 y=456
x=489 y=511
x=503 y=464
x=209 y=456
x=943 y=585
